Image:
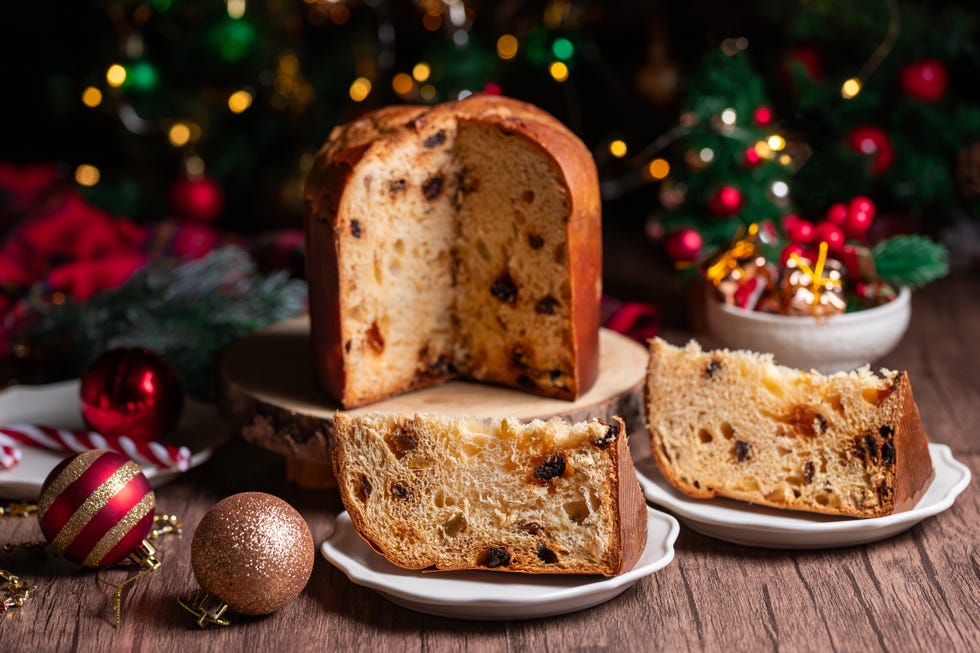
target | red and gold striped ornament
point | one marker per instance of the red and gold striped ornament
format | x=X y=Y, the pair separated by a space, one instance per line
x=97 y=508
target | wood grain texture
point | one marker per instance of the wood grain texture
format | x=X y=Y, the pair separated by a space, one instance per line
x=917 y=591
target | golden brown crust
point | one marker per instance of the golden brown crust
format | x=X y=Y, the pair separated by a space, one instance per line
x=327 y=183
x=410 y=534
x=733 y=424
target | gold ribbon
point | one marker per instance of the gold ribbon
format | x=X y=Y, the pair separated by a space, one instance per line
x=742 y=247
x=818 y=283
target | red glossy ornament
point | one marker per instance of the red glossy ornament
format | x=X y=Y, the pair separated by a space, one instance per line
x=924 y=80
x=96 y=508
x=726 y=202
x=789 y=221
x=873 y=142
x=837 y=214
x=752 y=158
x=802 y=232
x=198 y=199
x=860 y=214
x=131 y=392
x=684 y=245
x=831 y=234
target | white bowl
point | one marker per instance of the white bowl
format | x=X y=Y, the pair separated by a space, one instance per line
x=840 y=342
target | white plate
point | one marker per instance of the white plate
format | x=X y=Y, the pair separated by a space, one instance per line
x=743 y=523
x=200 y=429
x=490 y=595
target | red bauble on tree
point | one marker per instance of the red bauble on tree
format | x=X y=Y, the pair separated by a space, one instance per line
x=131 y=392
x=198 y=199
x=684 y=245
x=726 y=202
x=875 y=143
x=800 y=231
x=924 y=80
x=96 y=508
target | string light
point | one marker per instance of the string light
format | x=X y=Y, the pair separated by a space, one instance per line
x=785 y=159
x=235 y=8
x=706 y=154
x=780 y=189
x=360 y=89
x=559 y=71
x=87 y=175
x=427 y=92
x=194 y=165
x=507 y=47
x=421 y=71
x=658 y=168
x=239 y=101
x=563 y=49
x=179 y=134
x=763 y=150
x=776 y=142
x=617 y=148
x=850 y=88
x=432 y=21
x=402 y=83
x=728 y=117
x=91 y=97
x=115 y=76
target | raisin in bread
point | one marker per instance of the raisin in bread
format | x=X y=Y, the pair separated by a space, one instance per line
x=457 y=240
x=443 y=493
x=734 y=424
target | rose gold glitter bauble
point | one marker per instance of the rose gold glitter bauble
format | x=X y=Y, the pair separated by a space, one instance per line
x=253 y=551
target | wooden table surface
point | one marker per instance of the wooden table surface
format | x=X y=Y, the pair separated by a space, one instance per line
x=918 y=591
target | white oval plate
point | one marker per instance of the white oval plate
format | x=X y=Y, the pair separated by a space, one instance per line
x=744 y=523
x=200 y=429
x=489 y=595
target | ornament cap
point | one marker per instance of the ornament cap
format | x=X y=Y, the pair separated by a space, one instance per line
x=207 y=608
x=145 y=556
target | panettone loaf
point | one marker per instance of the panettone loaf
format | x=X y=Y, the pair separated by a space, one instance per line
x=458 y=240
x=443 y=493
x=734 y=424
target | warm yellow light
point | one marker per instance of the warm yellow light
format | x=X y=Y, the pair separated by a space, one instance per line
x=507 y=46
x=179 y=134
x=402 y=83
x=658 y=168
x=116 y=75
x=360 y=89
x=763 y=150
x=239 y=101
x=776 y=142
x=236 y=8
x=87 y=175
x=427 y=92
x=618 y=149
x=785 y=159
x=421 y=71
x=850 y=88
x=559 y=71
x=91 y=97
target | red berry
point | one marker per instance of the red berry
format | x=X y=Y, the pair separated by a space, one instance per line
x=924 y=80
x=860 y=215
x=789 y=250
x=684 y=245
x=802 y=232
x=831 y=234
x=789 y=221
x=837 y=214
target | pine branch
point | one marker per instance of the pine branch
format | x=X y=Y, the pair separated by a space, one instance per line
x=912 y=261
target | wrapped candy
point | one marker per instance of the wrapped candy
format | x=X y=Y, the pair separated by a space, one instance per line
x=813 y=288
x=740 y=274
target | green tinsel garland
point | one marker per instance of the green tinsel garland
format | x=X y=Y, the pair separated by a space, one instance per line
x=185 y=311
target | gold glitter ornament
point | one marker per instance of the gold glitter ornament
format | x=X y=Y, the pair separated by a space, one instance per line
x=252 y=553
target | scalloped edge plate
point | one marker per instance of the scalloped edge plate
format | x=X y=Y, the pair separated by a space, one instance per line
x=749 y=525
x=200 y=429
x=488 y=595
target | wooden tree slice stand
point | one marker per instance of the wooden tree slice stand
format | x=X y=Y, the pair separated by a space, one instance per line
x=268 y=391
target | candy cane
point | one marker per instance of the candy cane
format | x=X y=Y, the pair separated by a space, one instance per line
x=54 y=439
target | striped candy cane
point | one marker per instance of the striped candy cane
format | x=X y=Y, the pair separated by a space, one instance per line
x=54 y=439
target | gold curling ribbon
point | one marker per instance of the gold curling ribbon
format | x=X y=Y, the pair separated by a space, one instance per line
x=742 y=247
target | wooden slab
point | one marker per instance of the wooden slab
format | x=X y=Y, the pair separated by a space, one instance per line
x=267 y=390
